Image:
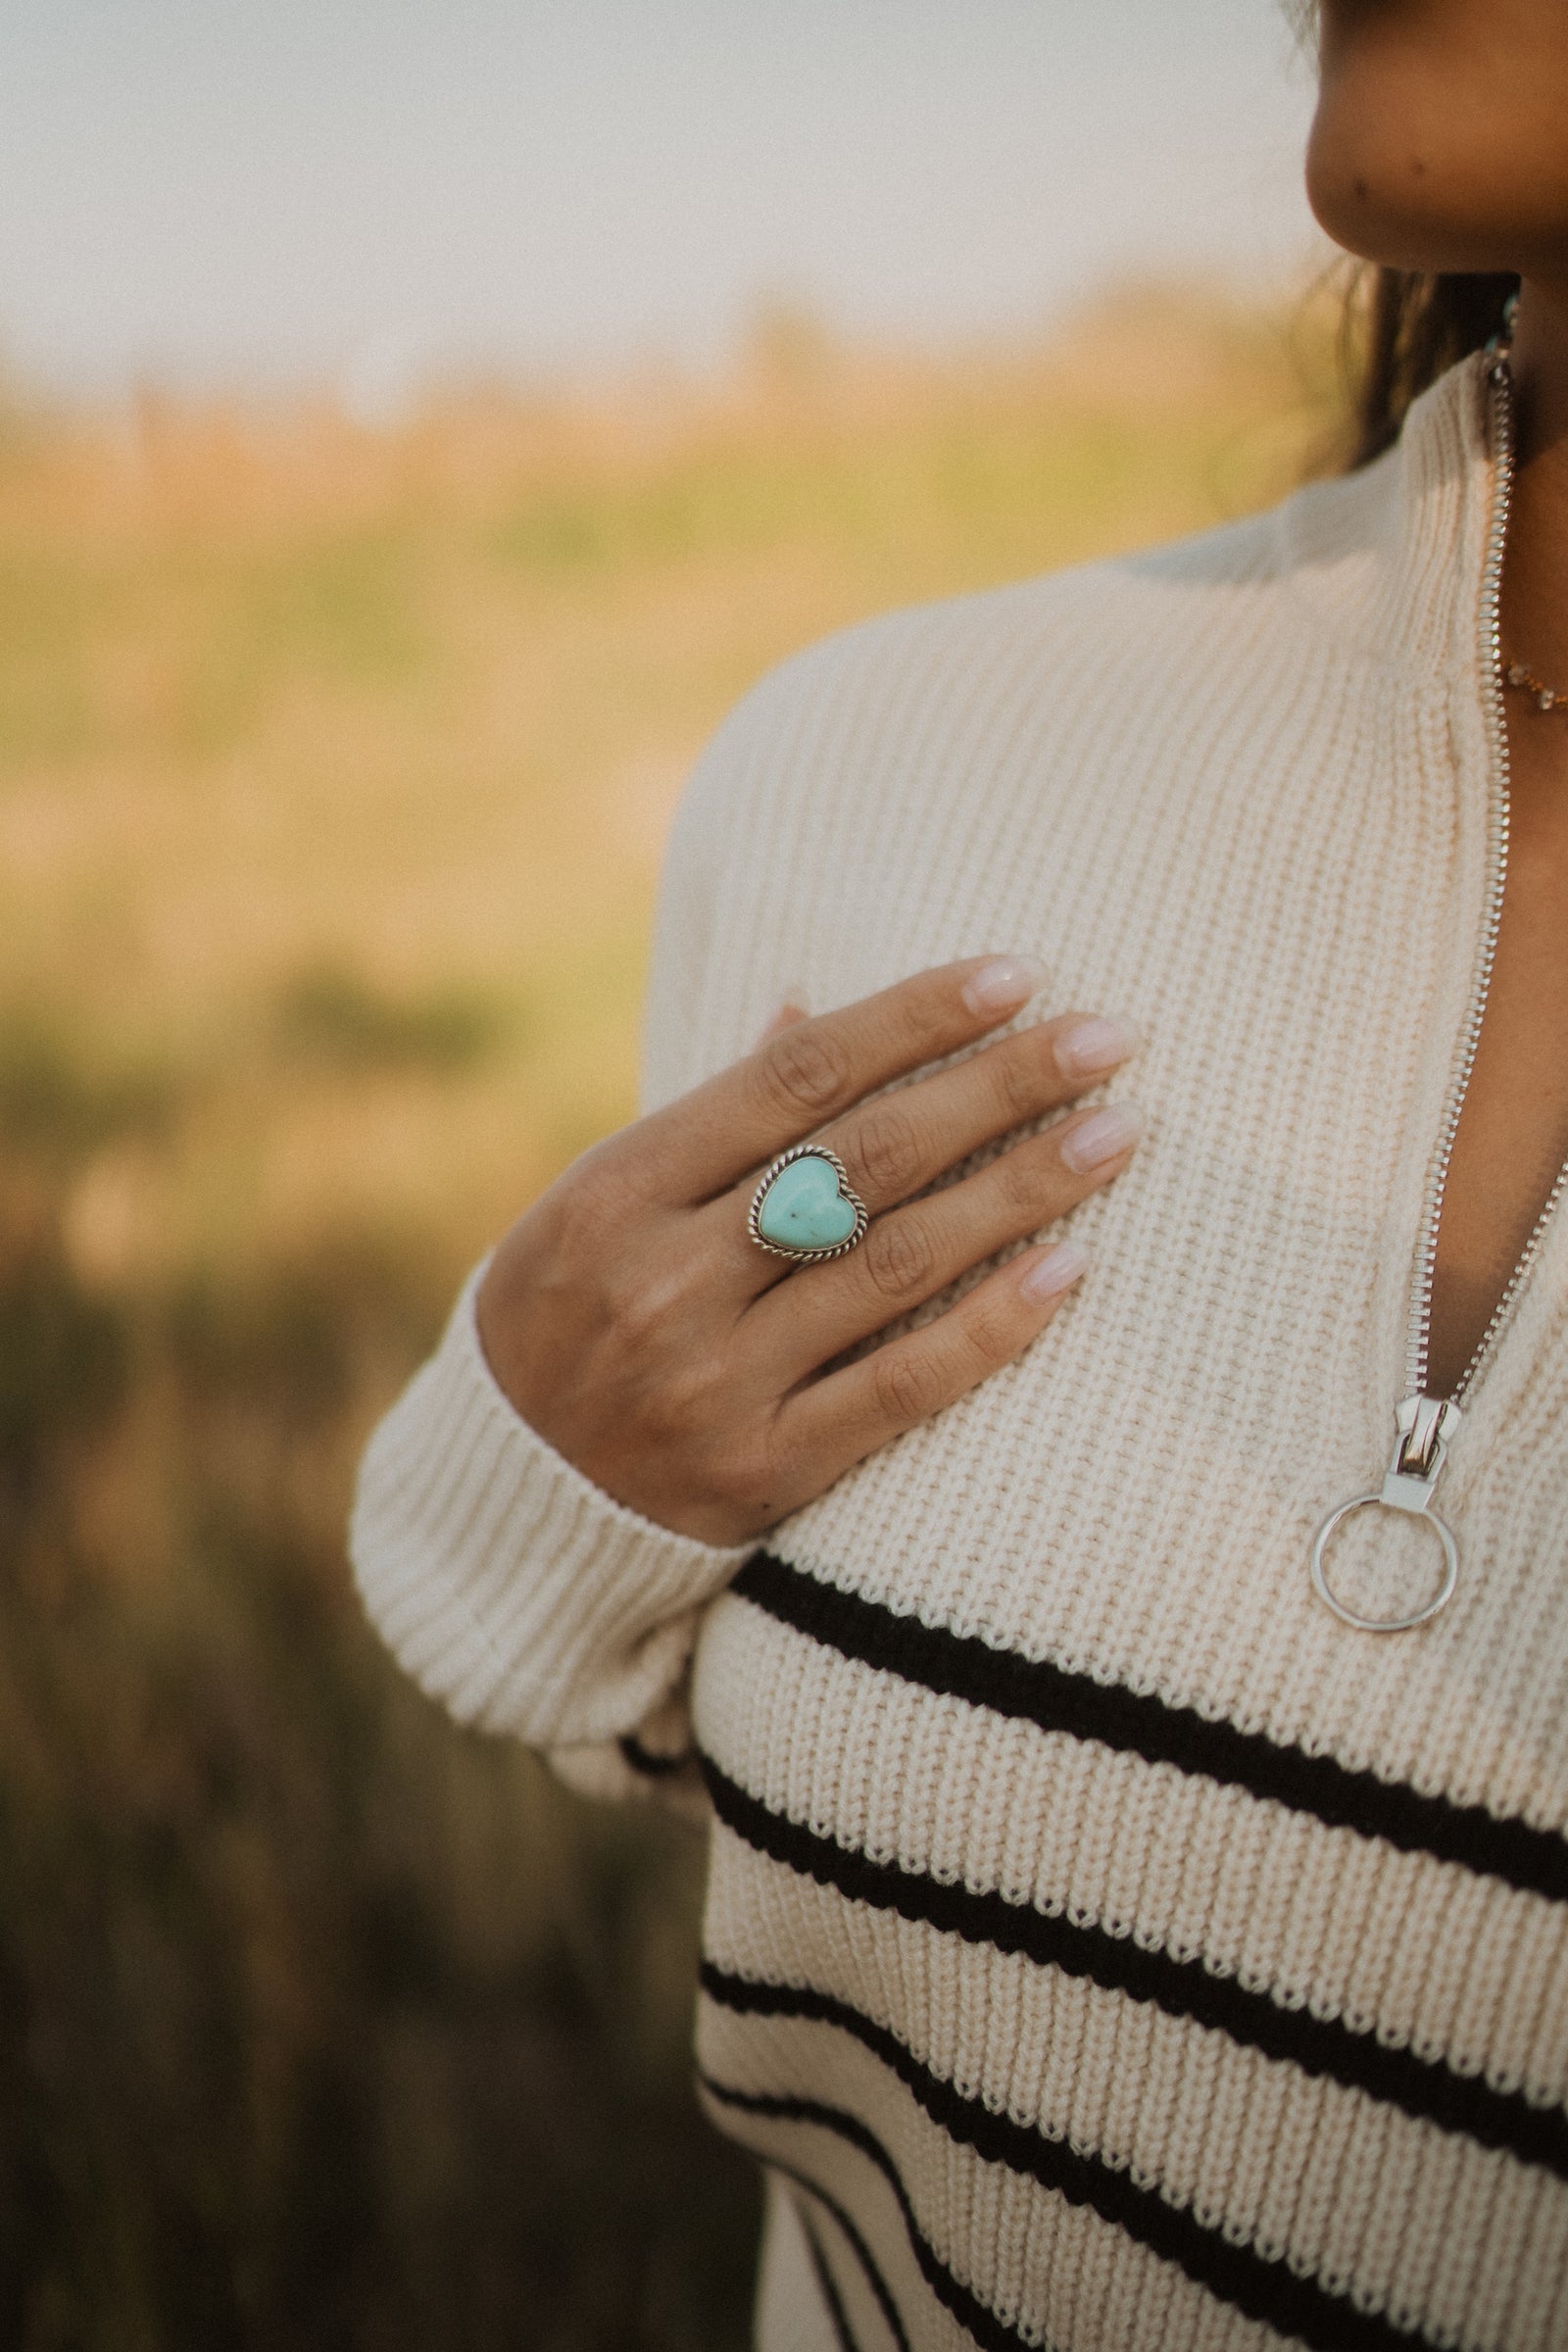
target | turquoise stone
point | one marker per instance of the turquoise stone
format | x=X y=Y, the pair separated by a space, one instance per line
x=803 y=1208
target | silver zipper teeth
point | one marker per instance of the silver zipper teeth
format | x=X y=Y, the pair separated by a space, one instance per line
x=1420 y=1327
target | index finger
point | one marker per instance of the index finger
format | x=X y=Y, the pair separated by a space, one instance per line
x=699 y=1145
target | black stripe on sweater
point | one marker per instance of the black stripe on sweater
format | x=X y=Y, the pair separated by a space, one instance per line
x=992 y=2333
x=1266 y=2292
x=646 y=1761
x=855 y=2240
x=963 y=1666
x=828 y=2288
x=1183 y=1989
x=1258 y=2288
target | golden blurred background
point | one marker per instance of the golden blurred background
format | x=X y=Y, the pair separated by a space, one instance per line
x=334 y=766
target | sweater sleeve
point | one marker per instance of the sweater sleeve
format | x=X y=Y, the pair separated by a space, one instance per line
x=513 y=1590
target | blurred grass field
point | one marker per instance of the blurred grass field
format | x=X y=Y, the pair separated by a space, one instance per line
x=334 y=766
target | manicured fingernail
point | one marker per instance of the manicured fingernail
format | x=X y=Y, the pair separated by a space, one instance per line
x=1103 y=1135
x=790 y=1008
x=1004 y=984
x=1093 y=1043
x=1057 y=1271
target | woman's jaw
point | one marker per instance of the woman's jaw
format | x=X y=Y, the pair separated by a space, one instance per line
x=1440 y=140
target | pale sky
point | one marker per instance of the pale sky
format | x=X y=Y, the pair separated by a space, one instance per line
x=200 y=193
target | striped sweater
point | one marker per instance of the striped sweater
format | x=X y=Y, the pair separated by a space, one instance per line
x=1105 y=1948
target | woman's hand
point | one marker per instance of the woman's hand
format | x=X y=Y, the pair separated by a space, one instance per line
x=636 y=1326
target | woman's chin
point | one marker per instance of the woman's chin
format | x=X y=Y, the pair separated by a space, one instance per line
x=1371 y=221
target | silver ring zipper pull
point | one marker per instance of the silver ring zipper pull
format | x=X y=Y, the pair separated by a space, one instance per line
x=1426 y=1427
x=1428 y=1423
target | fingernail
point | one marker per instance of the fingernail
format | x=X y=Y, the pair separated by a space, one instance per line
x=1057 y=1271
x=791 y=1007
x=1004 y=984
x=1103 y=1135
x=1093 y=1043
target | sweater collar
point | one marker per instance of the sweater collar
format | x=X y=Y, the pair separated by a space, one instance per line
x=1427 y=515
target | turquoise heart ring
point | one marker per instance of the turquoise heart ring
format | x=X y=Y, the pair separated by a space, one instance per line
x=804 y=1208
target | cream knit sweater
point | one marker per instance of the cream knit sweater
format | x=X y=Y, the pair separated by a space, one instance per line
x=1106 y=1949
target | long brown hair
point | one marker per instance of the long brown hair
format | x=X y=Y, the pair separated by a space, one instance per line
x=1405 y=328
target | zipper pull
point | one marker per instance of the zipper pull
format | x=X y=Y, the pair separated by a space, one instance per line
x=1426 y=1426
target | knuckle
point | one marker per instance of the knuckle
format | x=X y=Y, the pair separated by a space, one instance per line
x=907 y=1386
x=889 y=1151
x=805 y=1070
x=989 y=1333
x=1024 y=1179
x=899 y=1258
x=590 y=1207
x=1020 y=1079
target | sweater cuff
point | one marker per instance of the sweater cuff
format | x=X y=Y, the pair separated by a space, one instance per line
x=510 y=1587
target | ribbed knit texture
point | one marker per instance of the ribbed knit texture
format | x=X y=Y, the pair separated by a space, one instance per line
x=1105 y=1947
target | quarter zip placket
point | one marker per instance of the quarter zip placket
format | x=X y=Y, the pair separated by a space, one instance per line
x=1426 y=1425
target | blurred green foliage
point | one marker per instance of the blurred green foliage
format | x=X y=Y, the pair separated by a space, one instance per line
x=330 y=1014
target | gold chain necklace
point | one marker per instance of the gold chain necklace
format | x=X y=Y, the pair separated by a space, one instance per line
x=1515 y=673
x=1545 y=697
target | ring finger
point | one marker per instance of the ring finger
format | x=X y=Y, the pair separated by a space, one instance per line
x=901 y=1141
x=914 y=1251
